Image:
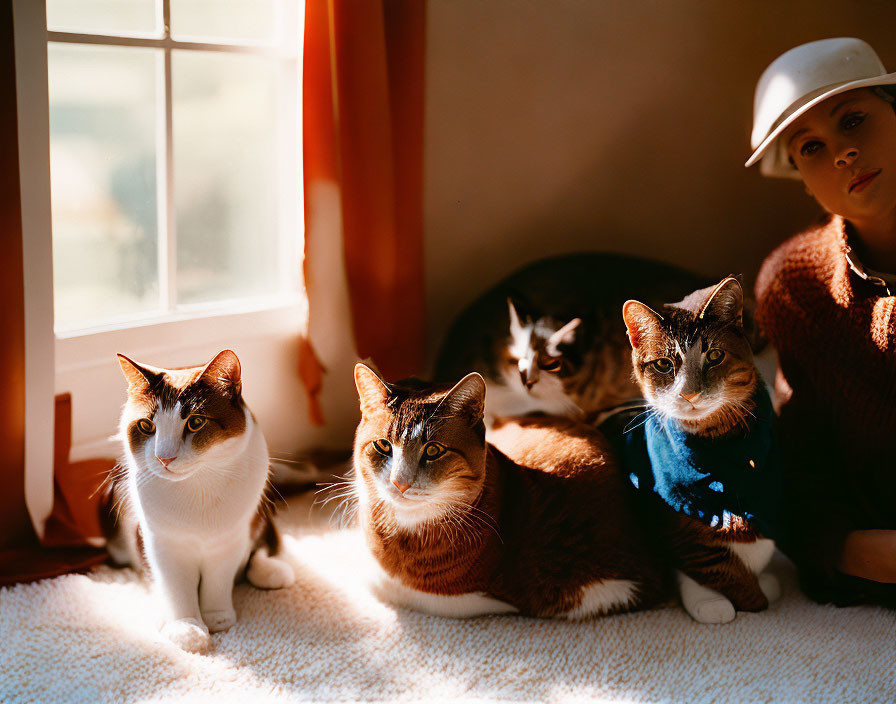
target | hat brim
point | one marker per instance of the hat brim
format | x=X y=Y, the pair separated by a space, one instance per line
x=886 y=79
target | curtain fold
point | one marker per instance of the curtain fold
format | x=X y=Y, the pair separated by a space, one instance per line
x=75 y=525
x=15 y=525
x=363 y=80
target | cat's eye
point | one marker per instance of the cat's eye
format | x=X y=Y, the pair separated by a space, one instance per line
x=551 y=365
x=145 y=426
x=714 y=356
x=196 y=423
x=384 y=447
x=433 y=450
x=663 y=365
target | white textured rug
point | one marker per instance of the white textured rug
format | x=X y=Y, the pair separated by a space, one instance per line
x=92 y=638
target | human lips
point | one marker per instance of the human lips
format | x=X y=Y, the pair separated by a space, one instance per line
x=860 y=182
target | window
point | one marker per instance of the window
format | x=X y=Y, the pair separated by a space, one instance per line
x=174 y=138
x=175 y=164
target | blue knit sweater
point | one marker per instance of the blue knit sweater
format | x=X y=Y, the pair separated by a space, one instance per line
x=708 y=477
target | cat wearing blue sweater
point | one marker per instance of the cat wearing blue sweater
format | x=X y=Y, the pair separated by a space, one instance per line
x=703 y=458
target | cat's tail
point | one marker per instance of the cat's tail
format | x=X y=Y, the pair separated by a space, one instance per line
x=269 y=567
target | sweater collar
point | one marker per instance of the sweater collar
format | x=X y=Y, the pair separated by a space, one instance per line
x=849 y=268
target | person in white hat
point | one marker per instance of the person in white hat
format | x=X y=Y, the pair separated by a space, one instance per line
x=824 y=112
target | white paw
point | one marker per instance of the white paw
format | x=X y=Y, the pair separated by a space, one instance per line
x=770 y=586
x=219 y=620
x=702 y=603
x=188 y=634
x=716 y=609
x=269 y=572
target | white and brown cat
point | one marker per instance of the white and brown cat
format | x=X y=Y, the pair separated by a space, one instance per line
x=704 y=456
x=537 y=524
x=191 y=495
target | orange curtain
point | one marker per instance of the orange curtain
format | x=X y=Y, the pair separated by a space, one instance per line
x=15 y=525
x=363 y=130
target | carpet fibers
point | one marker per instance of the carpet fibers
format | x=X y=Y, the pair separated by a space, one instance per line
x=93 y=638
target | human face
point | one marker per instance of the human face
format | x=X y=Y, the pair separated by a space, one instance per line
x=845 y=150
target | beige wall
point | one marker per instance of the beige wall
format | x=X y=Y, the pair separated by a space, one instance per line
x=558 y=125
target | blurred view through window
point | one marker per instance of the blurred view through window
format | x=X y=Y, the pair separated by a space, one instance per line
x=174 y=156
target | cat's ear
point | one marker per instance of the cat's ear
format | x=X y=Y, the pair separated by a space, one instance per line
x=373 y=392
x=516 y=324
x=140 y=377
x=725 y=302
x=467 y=398
x=564 y=336
x=224 y=373
x=640 y=321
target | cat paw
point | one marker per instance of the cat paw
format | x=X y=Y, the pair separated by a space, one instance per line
x=188 y=634
x=770 y=586
x=218 y=621
x=269 y=572
x=713 y=610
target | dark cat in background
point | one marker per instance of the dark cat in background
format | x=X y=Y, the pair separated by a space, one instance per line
x=548 y=337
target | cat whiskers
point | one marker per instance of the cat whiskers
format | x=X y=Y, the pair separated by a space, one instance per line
x=343 y=491
x=466 y=516
x=641 y=418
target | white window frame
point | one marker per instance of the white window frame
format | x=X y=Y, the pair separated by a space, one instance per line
x=264 y=331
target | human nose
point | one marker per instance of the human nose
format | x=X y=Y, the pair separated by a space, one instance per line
x=846 y=156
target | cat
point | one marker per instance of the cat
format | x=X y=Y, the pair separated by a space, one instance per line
x=548 y=338
x=536 y=524
x=703 y=457
x=190 y=499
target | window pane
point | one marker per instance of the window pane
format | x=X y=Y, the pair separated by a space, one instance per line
x=103 y=178
x=225 y=180
x=231 y=20
x=103 y=16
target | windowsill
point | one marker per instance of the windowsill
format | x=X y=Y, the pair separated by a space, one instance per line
x=263 y=334
x=161 y=338
x=219 y=309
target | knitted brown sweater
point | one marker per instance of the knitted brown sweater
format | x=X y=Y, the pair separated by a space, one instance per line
x=835 y=332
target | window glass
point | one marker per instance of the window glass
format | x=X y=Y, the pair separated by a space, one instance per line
x=228 y=20
x=103 y=16
x=225 y=175
x=103 y=121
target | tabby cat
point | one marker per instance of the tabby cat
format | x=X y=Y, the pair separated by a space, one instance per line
x=548 y=337
x=703 y=457
x=190 y=501
x=464 y=528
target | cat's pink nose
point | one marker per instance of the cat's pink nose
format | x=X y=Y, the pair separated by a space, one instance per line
x=401 y=487
x=166 y=460
x=690 y=397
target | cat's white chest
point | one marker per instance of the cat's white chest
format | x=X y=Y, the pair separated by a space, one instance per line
x=219 y=498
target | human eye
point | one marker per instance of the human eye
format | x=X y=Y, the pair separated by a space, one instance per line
x=811 y=147
x=852 y=120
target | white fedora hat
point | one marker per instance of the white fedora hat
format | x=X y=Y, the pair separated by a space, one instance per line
x=797 y=81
